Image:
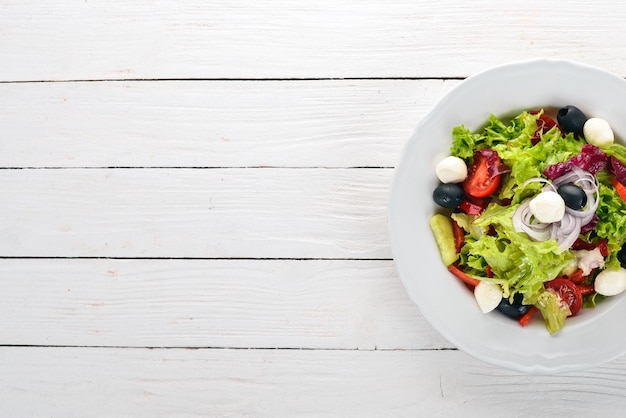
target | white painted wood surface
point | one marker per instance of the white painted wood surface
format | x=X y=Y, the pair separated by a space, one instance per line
x=193 y=206
x=226 y=39
x=311 y=383
x=315 y=123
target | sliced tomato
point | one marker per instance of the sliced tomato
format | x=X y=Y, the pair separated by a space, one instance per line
x=546 y=122
x=602 y=245
x=568 y=292
x=483 y=177
x=581 y=244
x=577 y=277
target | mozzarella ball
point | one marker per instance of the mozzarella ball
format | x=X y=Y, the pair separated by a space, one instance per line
x=451 y=170
x=598 y=132
x=547 y=207
x=610 y=282
x=488 y=296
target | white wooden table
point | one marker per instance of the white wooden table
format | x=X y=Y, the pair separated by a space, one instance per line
x=193 y=206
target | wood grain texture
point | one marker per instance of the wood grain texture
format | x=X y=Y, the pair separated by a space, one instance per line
x=293 y=383
x=211 y=213
x=336 y=123
x=283 y=39
x=213 y=151
x=308 y=304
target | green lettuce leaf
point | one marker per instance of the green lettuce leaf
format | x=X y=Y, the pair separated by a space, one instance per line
x=527 y=161
x=591 y=301
x=523 y=263
x=553 y=312
x=616 y=150
x=518 y=263
x=465 y=142
x=495 y=132
x=466 y=222
x=513 y=143
x=612 y=223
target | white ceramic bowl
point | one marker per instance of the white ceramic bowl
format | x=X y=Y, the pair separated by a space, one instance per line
x=594 y=336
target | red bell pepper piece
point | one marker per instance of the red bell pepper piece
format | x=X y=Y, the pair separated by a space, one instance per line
x=525 y=319
x=459 y=236
x=489 y=271
x=465 y=278
x=603 y=246
x=471 y=208
x=619 y=188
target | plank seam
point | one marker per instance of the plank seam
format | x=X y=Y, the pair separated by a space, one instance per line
x=264 y=167
x=25 y=257
x=217 y=79
x=219 y=348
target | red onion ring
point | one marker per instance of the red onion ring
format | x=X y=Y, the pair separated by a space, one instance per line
x=566 y=230
x=588 y=183
x=524 y=221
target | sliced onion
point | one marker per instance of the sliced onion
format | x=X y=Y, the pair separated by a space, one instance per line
x=566 y=239
x=567 y=224
x=523 y=221
x=573 y=176
x=567 y=230
x=588 y=183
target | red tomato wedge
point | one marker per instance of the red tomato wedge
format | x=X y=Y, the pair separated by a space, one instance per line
x=483 y=178
x=568 y=292
x=545 y=122
x=602 y=245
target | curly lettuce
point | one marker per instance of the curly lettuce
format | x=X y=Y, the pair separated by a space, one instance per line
x=495 y=133
x=493 y=249
x=611 y=223
x=553 y=312
x=515 y=146
x=523 y=264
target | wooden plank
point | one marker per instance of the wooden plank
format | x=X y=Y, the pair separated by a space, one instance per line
x=279 y=383
x=280 y=38
x=337 y=123
x=308 y=304
x=212 y=213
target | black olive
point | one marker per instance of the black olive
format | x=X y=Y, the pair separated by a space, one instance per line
x=574 y=197
x=621 y=256
x=515 y=309
x=448 y=195
x=571 y=119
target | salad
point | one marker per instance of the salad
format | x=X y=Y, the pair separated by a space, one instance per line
x=533 y=214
